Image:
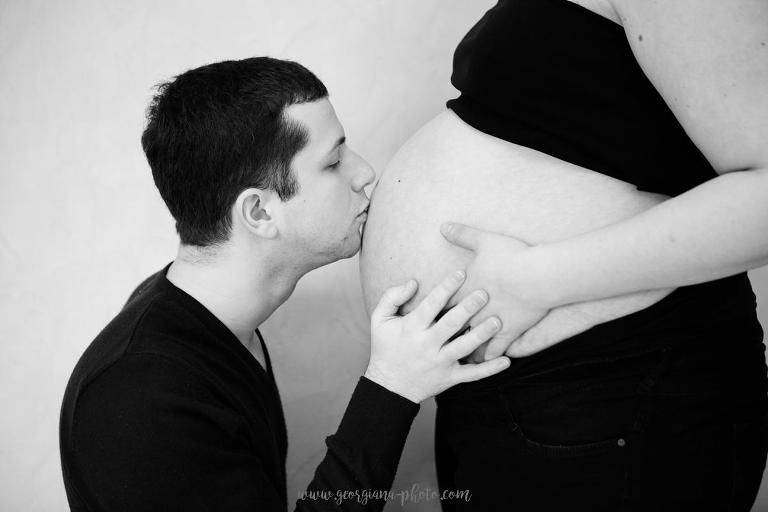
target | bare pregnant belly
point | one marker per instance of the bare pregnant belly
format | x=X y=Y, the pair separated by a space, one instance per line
x=448 y=171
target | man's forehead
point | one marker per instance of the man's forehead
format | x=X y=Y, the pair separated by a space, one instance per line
x=319 y=119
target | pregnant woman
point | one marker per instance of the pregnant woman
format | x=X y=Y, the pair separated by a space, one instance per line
x=621 y=149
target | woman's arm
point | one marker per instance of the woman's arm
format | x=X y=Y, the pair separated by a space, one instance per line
x=709 y=61
x=715 y=230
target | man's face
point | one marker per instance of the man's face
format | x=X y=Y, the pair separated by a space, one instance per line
x=322 y=222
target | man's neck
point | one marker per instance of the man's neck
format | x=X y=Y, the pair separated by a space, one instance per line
x=240 y=293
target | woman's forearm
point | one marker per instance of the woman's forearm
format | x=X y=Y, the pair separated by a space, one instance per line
x=717 y=229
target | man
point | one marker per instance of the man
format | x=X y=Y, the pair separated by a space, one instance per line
x=174 y=405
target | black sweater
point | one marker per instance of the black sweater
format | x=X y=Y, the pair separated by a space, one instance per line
x=167 y=410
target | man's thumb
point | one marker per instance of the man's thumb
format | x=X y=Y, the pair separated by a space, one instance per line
x=392 y=299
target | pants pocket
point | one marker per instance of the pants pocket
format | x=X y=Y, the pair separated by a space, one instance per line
x=560 y=440
x=568 y=455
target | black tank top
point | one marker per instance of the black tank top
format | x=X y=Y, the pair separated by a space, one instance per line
x=561 y=79
x=553 y=76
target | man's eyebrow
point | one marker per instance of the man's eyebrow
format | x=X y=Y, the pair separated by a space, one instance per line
x=339 y=142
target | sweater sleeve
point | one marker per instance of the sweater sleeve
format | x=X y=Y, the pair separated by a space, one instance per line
x=150 y=435
x=360 y=464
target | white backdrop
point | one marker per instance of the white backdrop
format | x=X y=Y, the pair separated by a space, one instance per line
x=81 y=222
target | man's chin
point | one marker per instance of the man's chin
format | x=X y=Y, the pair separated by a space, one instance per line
x=355 y=248
x=351 y=245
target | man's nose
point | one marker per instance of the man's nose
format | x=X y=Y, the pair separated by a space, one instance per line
x=364 y=175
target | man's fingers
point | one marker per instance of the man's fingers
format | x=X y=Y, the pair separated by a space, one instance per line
x=462 y=235
x=425 y=313
x=466 y=344
x=392 y=299
x=458 y=316
x=473 y=372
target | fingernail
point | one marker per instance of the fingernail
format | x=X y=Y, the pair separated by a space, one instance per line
x=480 y=297
x=446 y=228
x=495 y=323
x=460 y=275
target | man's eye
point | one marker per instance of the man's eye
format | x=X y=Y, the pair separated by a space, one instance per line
x=335 y=165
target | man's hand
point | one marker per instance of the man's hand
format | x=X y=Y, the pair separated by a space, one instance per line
x=409 y=354
x=498 y=266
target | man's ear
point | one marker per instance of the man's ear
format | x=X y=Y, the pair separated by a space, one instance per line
x=252 y=211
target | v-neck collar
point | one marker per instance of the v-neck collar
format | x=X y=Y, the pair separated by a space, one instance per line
x=217 y=326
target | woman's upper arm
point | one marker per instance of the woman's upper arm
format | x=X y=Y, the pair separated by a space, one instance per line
x=709 y=61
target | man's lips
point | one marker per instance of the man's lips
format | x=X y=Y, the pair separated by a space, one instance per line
x=363 y=218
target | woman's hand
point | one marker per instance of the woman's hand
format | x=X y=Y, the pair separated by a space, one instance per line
x=411 y=355
x=500 y=267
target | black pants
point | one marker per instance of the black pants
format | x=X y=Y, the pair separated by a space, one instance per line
x=676 y=421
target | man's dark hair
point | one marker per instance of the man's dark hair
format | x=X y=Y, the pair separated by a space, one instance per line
x=219 y=129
